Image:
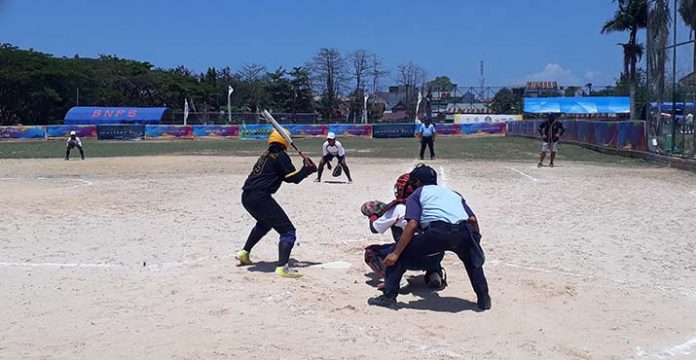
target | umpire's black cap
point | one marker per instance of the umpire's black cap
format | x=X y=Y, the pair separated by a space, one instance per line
x=424 y=173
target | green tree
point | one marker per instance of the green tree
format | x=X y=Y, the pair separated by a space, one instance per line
x=631 y=16
x=506 y=102
x=687 y=10
x=441 y=83
x=301 y=83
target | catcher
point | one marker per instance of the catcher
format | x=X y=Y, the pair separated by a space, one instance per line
x=333 y=148
x=272 y=169
x=392 y=216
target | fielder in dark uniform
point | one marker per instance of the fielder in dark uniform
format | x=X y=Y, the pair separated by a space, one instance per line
x=551 y=131
x=445 y=222
x=272 y=169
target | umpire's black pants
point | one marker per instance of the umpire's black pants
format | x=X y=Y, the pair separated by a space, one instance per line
x=440 y=236
x=268 y=215
x=427 y=140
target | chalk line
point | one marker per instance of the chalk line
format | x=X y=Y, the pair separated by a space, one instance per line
x=686 y=348
x=680 y=290
x=82 y=181
x=443 y=175
x=56 y=265
x=521 y=173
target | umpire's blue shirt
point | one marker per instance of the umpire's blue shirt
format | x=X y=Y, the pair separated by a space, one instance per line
x=436 y=203
x=427 y=130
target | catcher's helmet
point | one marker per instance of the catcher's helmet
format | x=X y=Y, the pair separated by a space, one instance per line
x=402 y=188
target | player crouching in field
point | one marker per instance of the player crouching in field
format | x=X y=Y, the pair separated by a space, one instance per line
x=333 y=148
x=438 y=219
x=73 y=142
x=550 y=131
x=391 y=216
x=272 y=169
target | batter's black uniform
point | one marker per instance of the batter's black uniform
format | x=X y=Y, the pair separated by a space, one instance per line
x=272 y=169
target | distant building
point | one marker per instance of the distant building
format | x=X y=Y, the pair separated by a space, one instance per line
x=541 y=89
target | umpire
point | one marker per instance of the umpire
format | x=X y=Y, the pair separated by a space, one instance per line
x=272 y=169
x=446 y=223
x=426 y=132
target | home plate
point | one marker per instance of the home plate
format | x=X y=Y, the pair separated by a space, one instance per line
x=333 y=265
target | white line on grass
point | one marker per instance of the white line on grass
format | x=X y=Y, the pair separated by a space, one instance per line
x=521 y=173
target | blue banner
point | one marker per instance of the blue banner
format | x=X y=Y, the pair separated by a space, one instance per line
x=380 y=131
x=255 y=131
x=22 y=132
x=578 y=105
x=483 y=128
x=202 y=131
x=305 y=130
x=168 y=132
x=62 y=131
x=120 y=132
x=351 y=130
x=89 y=115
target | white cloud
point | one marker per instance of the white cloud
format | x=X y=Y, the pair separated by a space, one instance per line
x=555 y=72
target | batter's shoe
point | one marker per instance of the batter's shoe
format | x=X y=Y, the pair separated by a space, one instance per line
x=484 y=302
x=286 y=272
x=317 y=180
x=243 y=257
x=382 y=301
x=540 y=164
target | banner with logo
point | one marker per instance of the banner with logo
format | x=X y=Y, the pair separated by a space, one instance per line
x=448 y=129
x=63 y=131
x=380 y=131
x=255 y=131
x=22 y=132
x=483 y=129
x=168 y=132
x=307 y=130
x=351 y=130
x=484 y=118
x=215 y=131
x=120 y=132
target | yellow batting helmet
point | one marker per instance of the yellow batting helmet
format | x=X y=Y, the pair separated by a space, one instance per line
x=275 y=137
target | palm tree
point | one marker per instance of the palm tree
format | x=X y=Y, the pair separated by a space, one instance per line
x=687 y=10
x=631 y=16
x=658 y=38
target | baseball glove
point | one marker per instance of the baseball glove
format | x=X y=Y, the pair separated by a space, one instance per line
x=338 y=170
x=373 y=207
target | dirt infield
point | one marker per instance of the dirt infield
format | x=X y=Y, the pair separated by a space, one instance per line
x=117 y=258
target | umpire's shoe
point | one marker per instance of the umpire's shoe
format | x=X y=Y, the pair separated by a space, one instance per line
x=383 y=301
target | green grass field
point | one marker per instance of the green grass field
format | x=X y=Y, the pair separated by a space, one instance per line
x=482 y=148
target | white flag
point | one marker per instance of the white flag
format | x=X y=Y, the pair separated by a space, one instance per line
x=230 y=90
x=186 y=110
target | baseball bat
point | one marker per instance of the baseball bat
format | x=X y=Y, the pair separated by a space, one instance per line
x=280 y=130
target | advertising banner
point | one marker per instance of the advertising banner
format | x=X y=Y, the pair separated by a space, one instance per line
x=380 y=131
x=168 y=132
x=120 y=132
x=351 y=130
x=63 y=131
x=482 y=129
x=484 y=118
x=22 y=132
x=307 y=130
x=255 y=131
x=215 y=131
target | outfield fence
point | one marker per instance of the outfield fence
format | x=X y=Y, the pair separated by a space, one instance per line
x=249 y=131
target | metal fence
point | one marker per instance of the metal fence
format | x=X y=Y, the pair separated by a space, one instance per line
x=671 y=68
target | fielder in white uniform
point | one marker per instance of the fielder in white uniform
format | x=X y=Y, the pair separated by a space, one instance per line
x=73 y=142
x=333 y=148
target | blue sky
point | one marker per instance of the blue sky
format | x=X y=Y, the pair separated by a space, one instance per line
x=518 y=40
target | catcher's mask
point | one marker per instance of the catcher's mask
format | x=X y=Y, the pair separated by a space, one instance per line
x=423 y=173
x=403 y=188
